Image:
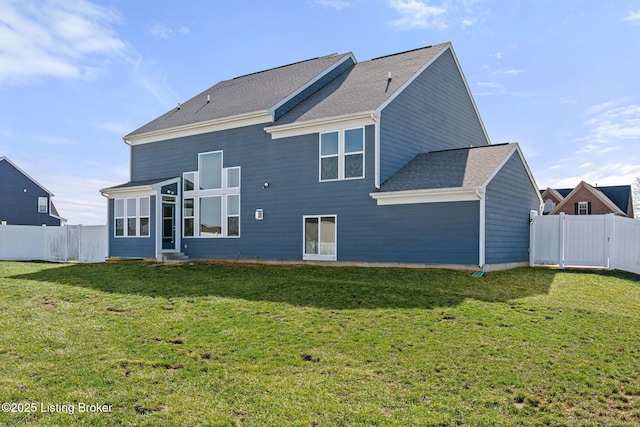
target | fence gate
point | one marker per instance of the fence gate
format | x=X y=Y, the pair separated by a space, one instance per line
x=605 y=241
x=586 y=241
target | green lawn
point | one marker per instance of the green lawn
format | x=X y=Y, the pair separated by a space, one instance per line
x=231 y=345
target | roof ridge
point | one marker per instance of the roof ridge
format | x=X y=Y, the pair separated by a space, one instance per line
x=406 y=51
x=468 y=148
x=287 y=65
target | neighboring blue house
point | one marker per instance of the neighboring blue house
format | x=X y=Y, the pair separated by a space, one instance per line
x=385 y=160
x=23 y=200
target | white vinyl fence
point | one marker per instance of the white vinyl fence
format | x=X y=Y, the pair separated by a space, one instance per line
x=605 y=241
x=66 y=243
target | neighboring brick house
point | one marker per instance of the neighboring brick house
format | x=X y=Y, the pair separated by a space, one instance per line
x=585 y=199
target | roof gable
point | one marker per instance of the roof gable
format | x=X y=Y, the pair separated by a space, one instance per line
x=25 y=174
x=365 y=87
x=596 y=192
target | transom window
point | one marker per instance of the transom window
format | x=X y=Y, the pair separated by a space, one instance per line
x=211 y=204
x=131 y=217
x=342 y=155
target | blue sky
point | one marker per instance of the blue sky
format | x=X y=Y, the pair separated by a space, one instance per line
x=562 y=78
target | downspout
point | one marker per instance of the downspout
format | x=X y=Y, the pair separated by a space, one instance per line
x=376 y=118
x=482 y=237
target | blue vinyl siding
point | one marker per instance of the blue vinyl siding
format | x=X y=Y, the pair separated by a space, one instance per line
x=133 y=247
x=19 y=199
x=425 y=233
x=434 y=113
x=509 y=199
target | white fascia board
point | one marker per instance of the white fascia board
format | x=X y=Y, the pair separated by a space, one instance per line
x=295 y=93
x=437 y=195
x=142 y=190
x=139 y=190
x=232 y=122
x=321 y=125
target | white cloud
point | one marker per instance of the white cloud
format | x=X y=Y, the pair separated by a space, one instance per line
x=497 y=55
x=333 y=4
x=613 y=123
x=153 y=81
x=633 y=17
x=54 y=38
x=417 y=14
x=118 y=128
x=163 y=31
x=492 y=85
x=585 y=165
x=467 y=22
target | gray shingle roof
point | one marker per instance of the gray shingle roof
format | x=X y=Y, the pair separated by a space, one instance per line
x=245 y=94
x=364 y=87
x=459 y=168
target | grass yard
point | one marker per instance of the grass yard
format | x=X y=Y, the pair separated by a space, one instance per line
x=231 y=345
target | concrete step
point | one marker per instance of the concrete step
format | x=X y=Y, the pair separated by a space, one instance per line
x=175 y=257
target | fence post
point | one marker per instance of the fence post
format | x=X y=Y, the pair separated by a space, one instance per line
x=562 y=238
x=609 y=225
x=532 y=237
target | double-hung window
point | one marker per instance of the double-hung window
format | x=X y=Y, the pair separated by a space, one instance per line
x=43 y=204
x=342 y=155
x=132 y=217
x=583 y=208
x=211 y=204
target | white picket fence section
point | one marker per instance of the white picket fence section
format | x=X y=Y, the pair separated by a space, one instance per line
x=66 y=243
x=604 y=241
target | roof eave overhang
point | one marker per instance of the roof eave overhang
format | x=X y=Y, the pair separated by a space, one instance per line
x=434 y=195
x=224 y=123
x=326 y=124
x=138 y=189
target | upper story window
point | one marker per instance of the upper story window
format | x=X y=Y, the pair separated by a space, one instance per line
x=43 y=204
x=132 y=217
x=342 y=154
x=583 y=208
x=549 y=205
x=211 y=198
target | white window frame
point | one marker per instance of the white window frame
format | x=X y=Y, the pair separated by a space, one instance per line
x=549 y=205
x=223 y=192
x=139 y=201
x=342 y=154
x=185 y=217
x=43 y=205
x=318 y=256
x=583 y=206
